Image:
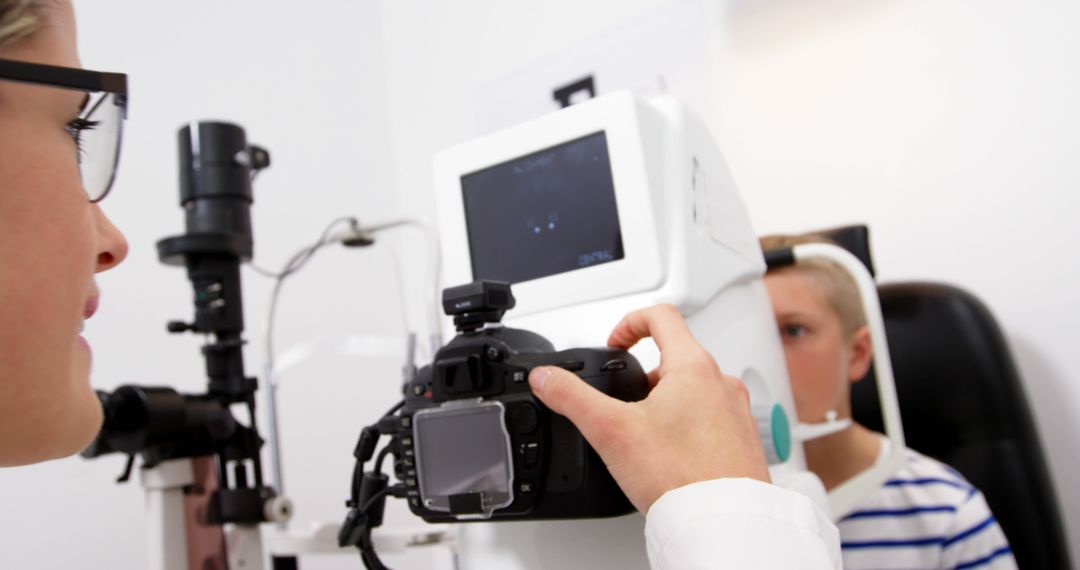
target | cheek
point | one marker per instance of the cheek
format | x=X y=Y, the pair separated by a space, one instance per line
x=813 y=377
x=36 y=145
x=44 y=208
x=48 y=240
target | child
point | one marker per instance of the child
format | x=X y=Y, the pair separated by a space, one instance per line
x=926 y=515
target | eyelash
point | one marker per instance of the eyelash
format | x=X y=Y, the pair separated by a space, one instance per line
x=75 y=128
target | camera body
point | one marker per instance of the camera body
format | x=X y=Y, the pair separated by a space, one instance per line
x=473 y=443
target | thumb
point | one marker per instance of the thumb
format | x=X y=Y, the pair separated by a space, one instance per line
x=565 y=393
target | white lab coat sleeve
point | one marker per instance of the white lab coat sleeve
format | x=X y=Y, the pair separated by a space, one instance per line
x=739 y=523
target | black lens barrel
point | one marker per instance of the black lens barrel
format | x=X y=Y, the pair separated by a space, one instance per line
x=138 y=418
x=215 y=179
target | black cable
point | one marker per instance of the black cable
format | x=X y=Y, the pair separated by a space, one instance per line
x=354 y=492
x=394 y=410
x=379 y=461
x=358 y=524
x=374 y=499
x=305 y=255
x=368 y=555
x=366 y=546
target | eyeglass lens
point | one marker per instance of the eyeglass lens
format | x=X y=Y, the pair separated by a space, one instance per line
x=99 y=143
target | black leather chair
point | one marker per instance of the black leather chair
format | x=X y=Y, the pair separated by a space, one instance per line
x=962 y=402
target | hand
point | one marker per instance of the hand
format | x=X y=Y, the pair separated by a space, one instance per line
x=695 y=425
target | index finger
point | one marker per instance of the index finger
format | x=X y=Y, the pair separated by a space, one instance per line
x=664 y=323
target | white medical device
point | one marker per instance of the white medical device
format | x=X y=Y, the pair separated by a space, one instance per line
x=611 y=205
x=608 y=206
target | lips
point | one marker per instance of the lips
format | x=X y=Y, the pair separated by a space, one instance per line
x=91 y=306
x=89 y=309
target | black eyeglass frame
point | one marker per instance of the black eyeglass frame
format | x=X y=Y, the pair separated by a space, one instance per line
x=73 y=78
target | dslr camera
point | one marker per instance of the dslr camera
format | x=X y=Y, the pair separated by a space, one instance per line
x=472 y=442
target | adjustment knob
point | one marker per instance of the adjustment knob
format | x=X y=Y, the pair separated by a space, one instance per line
x=278 y=509
x=775 y=430
x=179 y=326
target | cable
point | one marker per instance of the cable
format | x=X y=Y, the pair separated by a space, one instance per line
x=386 y=450
x=374 y=499
x=354 y=491
x=379 y=461
x=434 y=301
x=294 y=264
x=356 y=530
x=367 y=553
x=394 y=409
x=357 y=236
x=297 y=261
x=367 y=495
x=355 y=231
x=366 y=545
x=305 y=254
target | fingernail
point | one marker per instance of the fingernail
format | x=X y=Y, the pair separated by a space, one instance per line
x=538 y=376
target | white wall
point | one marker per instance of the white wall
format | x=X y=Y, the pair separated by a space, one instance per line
x=306 y=83
x=951 y=128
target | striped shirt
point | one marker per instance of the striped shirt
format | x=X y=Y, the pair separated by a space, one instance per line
x=926 y=517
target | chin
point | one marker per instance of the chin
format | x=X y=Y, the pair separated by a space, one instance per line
x=84 y=414
x=83 y=426
x=62 y=431
x=50 y=410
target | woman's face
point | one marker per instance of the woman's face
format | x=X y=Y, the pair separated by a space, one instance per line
x=821 y=361
x=52 y=242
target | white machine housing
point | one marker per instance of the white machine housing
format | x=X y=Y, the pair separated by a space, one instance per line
x=687 y=240
x=677 y=206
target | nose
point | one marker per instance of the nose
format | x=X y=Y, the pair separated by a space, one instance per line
x=112 y=245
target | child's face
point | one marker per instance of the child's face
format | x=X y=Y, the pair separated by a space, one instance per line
x=818 y=355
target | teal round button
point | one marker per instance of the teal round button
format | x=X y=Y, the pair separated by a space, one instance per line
x=781 y=433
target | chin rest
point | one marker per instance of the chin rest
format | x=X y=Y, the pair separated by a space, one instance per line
x=962 y=402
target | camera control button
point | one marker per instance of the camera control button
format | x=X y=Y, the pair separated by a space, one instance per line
x=531 y=451
x=524 y=419
x=406 y=441
x=519 y=376
x=526 y=487
x=613 y=365
x=572 y=365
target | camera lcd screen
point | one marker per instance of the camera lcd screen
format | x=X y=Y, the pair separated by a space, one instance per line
x=545 y=213
x=463 y=451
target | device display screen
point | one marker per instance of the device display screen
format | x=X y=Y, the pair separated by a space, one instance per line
x=463 y=451
x=545 y=213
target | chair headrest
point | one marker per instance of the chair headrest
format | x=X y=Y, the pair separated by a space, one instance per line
x=954 y=376
x=855 y=239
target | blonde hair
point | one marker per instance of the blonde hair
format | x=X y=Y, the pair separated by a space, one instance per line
x=19 y=19
x=836 y=285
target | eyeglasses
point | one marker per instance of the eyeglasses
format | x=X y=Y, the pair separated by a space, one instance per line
x=98 y=130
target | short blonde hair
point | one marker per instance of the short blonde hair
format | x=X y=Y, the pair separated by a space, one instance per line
x=19 y=19
x=837 y=286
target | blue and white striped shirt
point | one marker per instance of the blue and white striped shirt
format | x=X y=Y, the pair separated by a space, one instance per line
x=926 y=517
